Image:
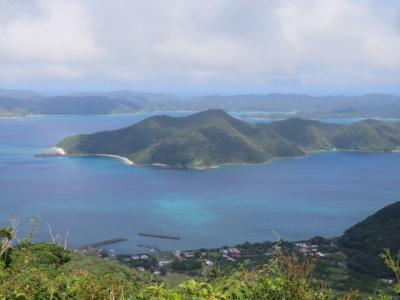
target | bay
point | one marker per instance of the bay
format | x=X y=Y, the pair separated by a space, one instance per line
x=97 y=198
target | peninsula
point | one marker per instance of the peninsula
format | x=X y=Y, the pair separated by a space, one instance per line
x=213 y=138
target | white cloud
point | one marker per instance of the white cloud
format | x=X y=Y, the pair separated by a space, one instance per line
x=57 y=33
x=198 y=43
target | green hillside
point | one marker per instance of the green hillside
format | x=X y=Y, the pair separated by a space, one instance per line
x=213 y=137
x=366 y=240
x=48 y=271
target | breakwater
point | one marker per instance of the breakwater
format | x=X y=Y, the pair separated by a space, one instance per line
x=160 y=236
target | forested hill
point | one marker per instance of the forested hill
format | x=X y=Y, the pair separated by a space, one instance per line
x=276 y=106
x=366 y=240
x=214 y=137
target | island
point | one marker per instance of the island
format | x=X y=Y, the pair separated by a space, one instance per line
x=213 y=138
x=19 y=103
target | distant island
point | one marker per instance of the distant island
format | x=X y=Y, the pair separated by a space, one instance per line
x=214 y=138
x=271 y=106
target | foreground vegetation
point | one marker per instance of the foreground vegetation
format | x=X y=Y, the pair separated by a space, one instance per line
x=331 y=267
x=313 y=269
x=48 y=271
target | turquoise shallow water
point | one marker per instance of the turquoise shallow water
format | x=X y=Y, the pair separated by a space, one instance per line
x=99 y=198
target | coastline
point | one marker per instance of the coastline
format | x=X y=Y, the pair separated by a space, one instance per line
x=125 y=160
x=58 y=150
x=306 y=153
x=61 y=152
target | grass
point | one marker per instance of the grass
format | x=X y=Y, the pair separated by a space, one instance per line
x=172 y=280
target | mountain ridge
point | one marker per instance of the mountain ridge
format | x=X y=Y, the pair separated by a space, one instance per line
x=274 y=105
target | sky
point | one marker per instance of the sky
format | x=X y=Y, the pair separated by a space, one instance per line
x=201 y=47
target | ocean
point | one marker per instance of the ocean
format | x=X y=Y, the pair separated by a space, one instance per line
x=98 y=198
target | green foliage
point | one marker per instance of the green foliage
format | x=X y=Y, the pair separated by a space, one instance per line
x=5 y=233
x=213 y=138
x=282 y=278
x=46 y=271
x=149 y=264
x=6 y=236
x=393 y=263
x=186 y=265
x=363 y=242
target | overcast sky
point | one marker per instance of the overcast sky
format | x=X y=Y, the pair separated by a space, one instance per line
x=198 y=46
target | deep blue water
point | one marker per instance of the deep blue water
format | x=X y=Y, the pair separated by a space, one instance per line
x=100 y=198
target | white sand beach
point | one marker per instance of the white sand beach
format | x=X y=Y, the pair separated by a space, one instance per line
x=122 y=158
x=58 y=150
x=61 y=152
